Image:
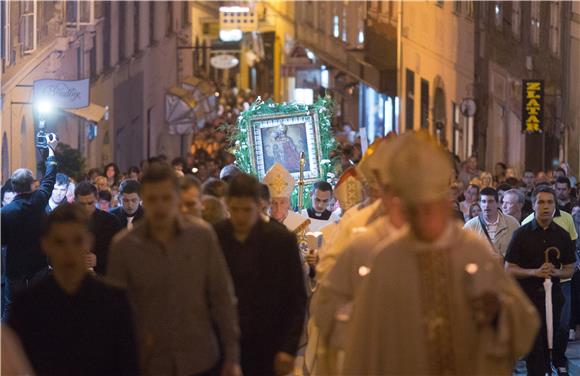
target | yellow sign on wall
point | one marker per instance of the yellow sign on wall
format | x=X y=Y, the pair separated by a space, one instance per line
x=533 y=103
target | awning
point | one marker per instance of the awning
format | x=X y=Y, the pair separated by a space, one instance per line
x=93 y=112
x=179 y=110
x=182 y=94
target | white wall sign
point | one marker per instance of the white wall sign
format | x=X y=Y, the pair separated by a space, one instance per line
x=224 y=61
x=62 y=94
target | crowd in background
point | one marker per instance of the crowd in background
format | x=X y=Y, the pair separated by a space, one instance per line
x=205 y=174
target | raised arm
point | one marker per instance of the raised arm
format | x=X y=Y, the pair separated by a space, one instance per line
x=41 y=196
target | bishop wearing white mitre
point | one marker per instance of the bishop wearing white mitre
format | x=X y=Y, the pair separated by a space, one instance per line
x=435 y=302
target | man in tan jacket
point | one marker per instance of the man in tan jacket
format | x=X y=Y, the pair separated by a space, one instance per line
x=492 y=224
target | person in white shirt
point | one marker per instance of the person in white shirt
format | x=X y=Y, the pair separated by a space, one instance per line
x=492 y=224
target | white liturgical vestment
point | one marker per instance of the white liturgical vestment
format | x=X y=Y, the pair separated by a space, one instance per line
x=413 y=313
x=351 y=223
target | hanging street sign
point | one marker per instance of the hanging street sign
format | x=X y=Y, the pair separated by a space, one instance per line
x=224 y=61
x=62 y=94
x=533 y=106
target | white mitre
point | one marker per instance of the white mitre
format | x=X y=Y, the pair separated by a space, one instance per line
x=421 y=171
x=279 y=181
x=363 y=168
x=378 y=164
x=281 y=184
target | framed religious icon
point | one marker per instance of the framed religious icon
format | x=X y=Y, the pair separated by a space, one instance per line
x=282 y=138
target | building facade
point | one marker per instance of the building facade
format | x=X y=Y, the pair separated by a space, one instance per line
x=519 y=41
x=354 y=48
x=119 y=46
x=436 y=70
x=572 y=115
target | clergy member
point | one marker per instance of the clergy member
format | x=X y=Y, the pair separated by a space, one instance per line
x=435 y=300
x=332 y=303
x=318 y=212
x=281 y=184
x=356 y=218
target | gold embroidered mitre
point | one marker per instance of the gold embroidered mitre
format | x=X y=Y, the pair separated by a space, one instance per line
x=348 y=190
x=279 y=181
x=363 y=167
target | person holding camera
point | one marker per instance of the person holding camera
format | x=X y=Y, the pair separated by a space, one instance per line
x=22 y=221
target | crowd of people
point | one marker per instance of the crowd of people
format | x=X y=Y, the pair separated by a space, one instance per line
x=191 y=267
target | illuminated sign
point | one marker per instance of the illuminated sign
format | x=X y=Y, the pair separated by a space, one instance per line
x=533 y=103
x=60 y=93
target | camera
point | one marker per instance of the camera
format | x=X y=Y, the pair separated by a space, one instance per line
x=42 y=139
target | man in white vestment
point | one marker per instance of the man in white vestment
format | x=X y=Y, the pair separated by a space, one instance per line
x=281 y=184
x=332 y=303
x=435 y=302
x=355 y=218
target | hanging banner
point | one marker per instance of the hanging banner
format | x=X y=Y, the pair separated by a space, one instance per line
x=533 y=106
x=62 y=94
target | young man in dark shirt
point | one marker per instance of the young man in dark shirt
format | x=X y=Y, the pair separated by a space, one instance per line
x=103 y=225
x=539 y=250
x=130 y=211
x=265 y=265
x=72 y=323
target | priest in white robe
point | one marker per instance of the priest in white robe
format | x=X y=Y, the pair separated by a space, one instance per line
x=356 y=218
x=435 y=302
x=281 y=184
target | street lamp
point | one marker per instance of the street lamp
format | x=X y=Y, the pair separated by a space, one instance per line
x=43 y=108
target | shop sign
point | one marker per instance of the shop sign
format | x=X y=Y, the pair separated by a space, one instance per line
x=224 y=61
x=533 y=106
x=61 y=93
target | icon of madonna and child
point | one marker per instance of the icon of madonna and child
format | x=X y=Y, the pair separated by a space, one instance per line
x=284 y=144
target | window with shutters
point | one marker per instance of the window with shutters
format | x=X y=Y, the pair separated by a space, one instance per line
x=122 y=30
x=80 y=13
x=469 y=9
x=151 y=22
x=5 y=40
x=516 y=19
x=424 y=104
x=169 y=17
x=498 y=15
x=185 y=21
x=106 y=35
x=535 y=23
x=136 y=26
x=28 y=26
x=555 y=17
